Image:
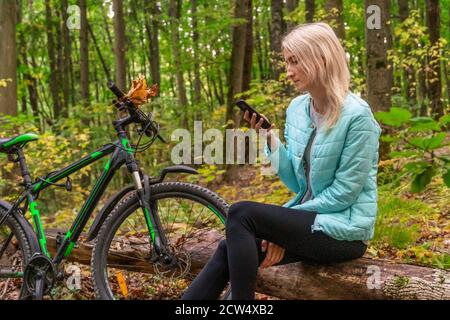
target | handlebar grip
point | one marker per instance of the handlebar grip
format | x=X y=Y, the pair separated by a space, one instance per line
x=112 y=86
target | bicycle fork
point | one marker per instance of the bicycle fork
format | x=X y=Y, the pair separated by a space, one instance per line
x=149 y=209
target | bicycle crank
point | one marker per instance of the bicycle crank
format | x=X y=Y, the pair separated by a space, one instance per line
x=39 y=276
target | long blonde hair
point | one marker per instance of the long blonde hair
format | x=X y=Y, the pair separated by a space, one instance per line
x=322 y=57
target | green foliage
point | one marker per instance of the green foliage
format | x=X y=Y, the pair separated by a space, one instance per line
x=423 y=141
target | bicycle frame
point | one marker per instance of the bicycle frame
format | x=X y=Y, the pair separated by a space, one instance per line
x=117 y=159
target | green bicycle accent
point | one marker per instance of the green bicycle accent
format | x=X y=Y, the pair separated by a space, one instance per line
x=217 y=214
x=21 y=139
x=149 y=223
x=126 y=145
x=67 y=171
x=107 y=165
x=69 y=249
x=39 y=228
x=96 y=154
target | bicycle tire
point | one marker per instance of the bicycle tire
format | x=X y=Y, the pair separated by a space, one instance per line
x=17 y=249
x=106 y=287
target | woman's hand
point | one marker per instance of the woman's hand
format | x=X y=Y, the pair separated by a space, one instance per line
x=257 y=125
x=274 y=254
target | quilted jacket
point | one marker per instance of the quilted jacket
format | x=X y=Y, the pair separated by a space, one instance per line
x=343 y=167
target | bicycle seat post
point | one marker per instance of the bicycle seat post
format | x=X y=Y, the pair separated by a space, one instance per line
x=23 y=167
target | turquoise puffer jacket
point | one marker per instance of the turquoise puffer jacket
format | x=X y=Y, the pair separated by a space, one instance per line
x=343 y=168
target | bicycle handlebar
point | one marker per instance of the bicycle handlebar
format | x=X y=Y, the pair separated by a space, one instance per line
x=139 y=118
x=112 y=86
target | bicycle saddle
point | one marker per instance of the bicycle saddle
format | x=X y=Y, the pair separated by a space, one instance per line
x=21 y=140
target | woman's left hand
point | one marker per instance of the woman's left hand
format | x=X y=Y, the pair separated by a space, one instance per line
x=274 y=254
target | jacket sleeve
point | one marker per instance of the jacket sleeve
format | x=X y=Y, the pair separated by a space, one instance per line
x=281 y=161
x=353 y=171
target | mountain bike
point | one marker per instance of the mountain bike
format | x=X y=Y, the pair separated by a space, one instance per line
x=142 y=237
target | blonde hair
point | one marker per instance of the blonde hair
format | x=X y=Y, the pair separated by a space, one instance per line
x=319 y=53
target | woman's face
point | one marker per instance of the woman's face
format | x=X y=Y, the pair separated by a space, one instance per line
x=294 y=72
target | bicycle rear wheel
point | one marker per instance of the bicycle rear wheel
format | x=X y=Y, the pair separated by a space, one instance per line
x=193 y=220
x=15 y=252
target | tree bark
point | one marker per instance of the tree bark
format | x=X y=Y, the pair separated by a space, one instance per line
x=174 y=14
x=409 y=72
x=276 y=31
x=30 y=79
x=248 y=55
x=291 y=5
x=84 y=54
x=335 y=17
x=434 y=59
x=54 y=85
x=356 y=280
x=66 y=61
x=310 y=8
x=120 y=45
x=195 y=40
x=237 y=58
x=8 y=54
x=152 y=28
x=379 y=69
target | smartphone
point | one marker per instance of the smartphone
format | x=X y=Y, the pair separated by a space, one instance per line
x=244 y=106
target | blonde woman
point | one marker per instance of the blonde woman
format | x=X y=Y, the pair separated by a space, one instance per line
x=329 y=161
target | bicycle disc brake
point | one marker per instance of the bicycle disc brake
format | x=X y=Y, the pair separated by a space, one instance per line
x=178 y=268
x=39 y=276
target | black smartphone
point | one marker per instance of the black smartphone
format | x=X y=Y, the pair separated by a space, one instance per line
x=244 y=106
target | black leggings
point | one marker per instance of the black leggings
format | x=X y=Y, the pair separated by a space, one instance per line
x=237 y=258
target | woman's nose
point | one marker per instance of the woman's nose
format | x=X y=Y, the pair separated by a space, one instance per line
x=289 y=73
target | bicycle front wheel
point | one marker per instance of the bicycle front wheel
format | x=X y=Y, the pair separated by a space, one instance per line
x=193 y=220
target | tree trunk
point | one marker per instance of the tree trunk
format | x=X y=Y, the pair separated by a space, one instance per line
x=379 y=69
x=356 y=280
x=84 y=54
x=195 y=40
x=235 y=79
x=120 y=45
x=30 y=80
x=276 y=31
x=152 y=28
x=434 y=59
x=422 y=76
x=259 y=48
x=291 y=5
x=65 y=71
x=310 y=8
x=409 y=72
x=248 y=56
x=335 y=17
x=54 y=85
x=174 y=14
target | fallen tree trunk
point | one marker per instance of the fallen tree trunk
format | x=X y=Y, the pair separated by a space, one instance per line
x=358 y=279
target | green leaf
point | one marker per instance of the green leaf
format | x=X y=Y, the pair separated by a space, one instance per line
x=403 y=154
x=446 y=178
x=387 y=138
x=395 y=117
x=429 y=143
x=444 y=120
x=417 y=167
x=436 y=141
x=424 y=124
x=421 y=180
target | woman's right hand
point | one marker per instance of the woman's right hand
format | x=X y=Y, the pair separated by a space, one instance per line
x=257 y=125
